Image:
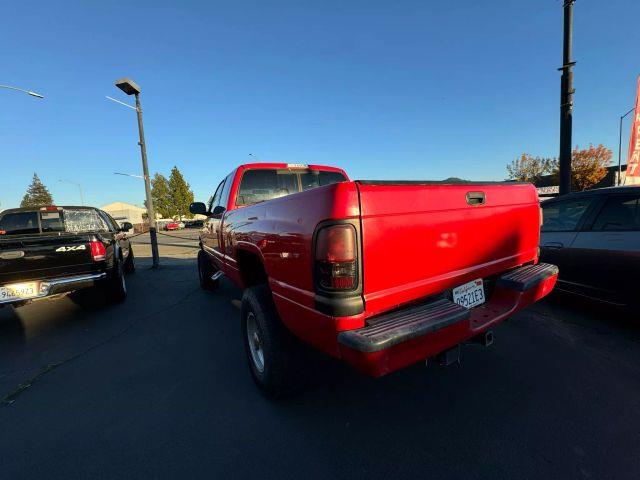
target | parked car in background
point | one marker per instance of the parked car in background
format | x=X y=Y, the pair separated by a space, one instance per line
x=194 y=223
x=380 y=274
x=180 y=225
x=594 y=238
x=172 y=226
x=52 y=250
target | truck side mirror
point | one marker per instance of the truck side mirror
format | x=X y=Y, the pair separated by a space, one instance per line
x=126 y=226
x=198 y=208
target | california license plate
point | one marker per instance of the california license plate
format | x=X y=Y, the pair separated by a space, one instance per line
x=470 y=294
x=18 y=291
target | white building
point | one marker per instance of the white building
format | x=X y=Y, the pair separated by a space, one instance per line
x=125 y=212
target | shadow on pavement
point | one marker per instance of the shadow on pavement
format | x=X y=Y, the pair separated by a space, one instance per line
x=159 y=386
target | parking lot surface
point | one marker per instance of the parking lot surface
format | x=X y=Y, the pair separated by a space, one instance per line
x=158 y=387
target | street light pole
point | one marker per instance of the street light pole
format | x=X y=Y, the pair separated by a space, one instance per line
x=620 y=146
x=566 y=100
x=79 y=188
x=147 y=187
x=129 y=87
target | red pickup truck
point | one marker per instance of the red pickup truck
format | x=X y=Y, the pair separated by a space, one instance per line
x=381 y=274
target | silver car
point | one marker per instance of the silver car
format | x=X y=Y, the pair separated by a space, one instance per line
x=594 y=238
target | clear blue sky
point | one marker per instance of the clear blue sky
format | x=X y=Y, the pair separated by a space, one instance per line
x=402 y=89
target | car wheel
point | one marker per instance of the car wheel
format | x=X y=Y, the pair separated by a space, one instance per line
x=273 y=354
x=130 y=264
x=205 y=272
x=116 y=287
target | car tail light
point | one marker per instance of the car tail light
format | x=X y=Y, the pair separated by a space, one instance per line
x=98 y=251
x=337 y=258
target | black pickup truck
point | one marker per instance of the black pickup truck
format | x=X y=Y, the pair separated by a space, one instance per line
x=52 y=250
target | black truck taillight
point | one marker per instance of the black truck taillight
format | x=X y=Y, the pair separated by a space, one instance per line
x=98 y=251
x=337 y=258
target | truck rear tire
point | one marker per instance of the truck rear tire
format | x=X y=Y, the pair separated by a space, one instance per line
x=272 y=351
x=205 y=271
x=116 y=286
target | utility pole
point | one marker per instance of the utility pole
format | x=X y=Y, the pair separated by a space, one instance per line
x=129 y=87
x=566 y=100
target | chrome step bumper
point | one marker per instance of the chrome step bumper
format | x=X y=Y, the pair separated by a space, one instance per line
x=54 y=286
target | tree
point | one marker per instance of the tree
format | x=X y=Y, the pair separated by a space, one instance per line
x=181 y=194
x=589 y=166
x=528 y=168
x=162 y=202
x=37 y=194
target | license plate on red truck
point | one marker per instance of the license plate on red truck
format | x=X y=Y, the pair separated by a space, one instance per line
x=470 y=294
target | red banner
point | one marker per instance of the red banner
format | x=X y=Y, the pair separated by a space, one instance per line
x=633 y=161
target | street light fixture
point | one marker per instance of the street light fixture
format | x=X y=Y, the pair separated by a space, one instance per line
x=79 y=188
x=130 y=175
x=130 y=87
x=620 y=146
x=28 y=92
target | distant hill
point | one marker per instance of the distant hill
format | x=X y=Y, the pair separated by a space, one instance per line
x=454 y=179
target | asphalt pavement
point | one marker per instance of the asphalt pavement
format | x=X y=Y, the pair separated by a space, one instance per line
x=158 y=387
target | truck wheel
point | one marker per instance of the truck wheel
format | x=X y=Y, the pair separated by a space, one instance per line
x=270 y=348
x=205 y=271
x=130 y=264
x=116 y=286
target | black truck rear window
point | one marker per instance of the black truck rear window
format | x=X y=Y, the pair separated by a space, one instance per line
x=83 y=220
x=70 y=220
x=51 y=222
x=19 y=223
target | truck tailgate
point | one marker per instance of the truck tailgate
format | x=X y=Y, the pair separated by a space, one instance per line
x=419 y=239
x=43 y=256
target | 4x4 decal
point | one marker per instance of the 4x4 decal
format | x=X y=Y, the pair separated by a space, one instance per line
x=71 y=249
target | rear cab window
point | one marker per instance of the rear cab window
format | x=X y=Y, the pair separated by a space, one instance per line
x=52 y=221
x=84 y=220
x=320 y=178
x=19 y=223
x=259 y=185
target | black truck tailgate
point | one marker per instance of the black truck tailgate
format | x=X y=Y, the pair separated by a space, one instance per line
x=44 y=256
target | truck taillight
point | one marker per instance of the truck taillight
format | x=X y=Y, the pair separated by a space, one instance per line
x=98 y=251
x=337 y=258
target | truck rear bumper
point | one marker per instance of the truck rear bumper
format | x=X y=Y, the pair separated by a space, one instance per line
x=395 y=340
x=54 y=286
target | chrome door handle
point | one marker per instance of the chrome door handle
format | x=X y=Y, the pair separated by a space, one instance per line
x=555 y=245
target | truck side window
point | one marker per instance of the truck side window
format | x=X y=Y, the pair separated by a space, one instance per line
x=224 y=197
x=113 y=225
x=564 y=216
x=216 y=196
x=620 y=213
